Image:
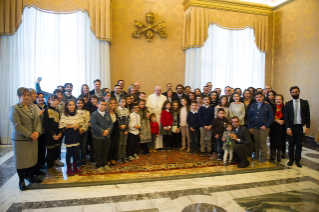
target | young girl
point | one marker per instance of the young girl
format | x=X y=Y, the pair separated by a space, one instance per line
x=51 y=118
x=228 y=143
x=176 y=126
x=154 y=131
x=84 y=131
x=214 y=99
x=223 y=104
x=145 y=134
x=71 y=121
x=183 y=124
x=166 y=121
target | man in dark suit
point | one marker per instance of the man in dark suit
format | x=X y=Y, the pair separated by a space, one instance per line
x=244 y=144
x=296 y=115
x=97 y=89
x=121 y=83
x=116 y=93
x=168 y=88
x=180 y=94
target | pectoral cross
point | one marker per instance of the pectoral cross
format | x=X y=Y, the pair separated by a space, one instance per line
x=149 y=28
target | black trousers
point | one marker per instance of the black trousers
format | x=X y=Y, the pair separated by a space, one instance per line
x=131 y=145
x=176 y=141
x=41 y=152
x=21 y=173
x=101 y=151
x=241 y=150
x=50 y=157
x=145 y=148
x=167 y=141
x=295 y=143
x=114 y=148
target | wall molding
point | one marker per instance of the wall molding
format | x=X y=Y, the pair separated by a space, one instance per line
x=230 y=5
x=279 y=6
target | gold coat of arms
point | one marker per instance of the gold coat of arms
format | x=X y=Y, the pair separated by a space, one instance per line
x=149 y=28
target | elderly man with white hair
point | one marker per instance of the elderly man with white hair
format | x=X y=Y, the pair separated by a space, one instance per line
x=155 y=102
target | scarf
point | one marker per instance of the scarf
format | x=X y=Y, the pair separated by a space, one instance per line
x=279 y=111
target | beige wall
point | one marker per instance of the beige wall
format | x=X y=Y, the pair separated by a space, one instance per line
x=296 y=53
x=151 y=63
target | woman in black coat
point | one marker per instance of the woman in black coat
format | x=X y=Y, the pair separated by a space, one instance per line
x=277 y=132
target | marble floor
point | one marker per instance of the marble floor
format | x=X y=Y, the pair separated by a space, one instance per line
x=284 y=189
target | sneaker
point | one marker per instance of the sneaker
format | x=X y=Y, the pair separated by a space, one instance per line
x=130 y=158
x=125 y=160
x=120 y=160
x=203 y=154
x=107 y=168
x=219 y=157
x=51 y=173
x=229 y=162
x=225 y=163
x=135 y=156
x=57 y=172
x=101 y=170
x=58 y=163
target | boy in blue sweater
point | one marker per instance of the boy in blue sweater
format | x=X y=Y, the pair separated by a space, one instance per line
x=205 y=119
x=102 y=126
x=192 y=122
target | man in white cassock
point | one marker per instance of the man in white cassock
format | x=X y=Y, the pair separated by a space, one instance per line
x=155 y=102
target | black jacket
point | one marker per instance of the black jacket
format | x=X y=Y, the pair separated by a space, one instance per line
x=165 y=93
x=304 y=113
x=244 y=136
x=175 y=98
x=51 y=118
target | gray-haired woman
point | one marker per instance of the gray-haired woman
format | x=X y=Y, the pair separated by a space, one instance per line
x=26 y=130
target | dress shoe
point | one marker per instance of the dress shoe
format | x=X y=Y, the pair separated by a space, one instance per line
x=22 y=186
x=283 y=156
x=290 y=163
x=299 y=164
x=243 y=165
x=35 y=180
x=278 y=160
x=271 y=159
x=39 y=173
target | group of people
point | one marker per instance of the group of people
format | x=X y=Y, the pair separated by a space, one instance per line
x=116 y=126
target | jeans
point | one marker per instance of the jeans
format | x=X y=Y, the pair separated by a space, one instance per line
x=122 y=144
x=219 y=145
x=205 y=134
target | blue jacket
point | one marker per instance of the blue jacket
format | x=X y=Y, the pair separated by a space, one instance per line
x=100 y=123
x=192 y=120
x=205 y=116
x=264 y=116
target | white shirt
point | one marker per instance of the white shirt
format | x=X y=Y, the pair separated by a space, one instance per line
x=135 y=119
x=102 y=113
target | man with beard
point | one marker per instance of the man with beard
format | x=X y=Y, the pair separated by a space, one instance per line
x=296 y=115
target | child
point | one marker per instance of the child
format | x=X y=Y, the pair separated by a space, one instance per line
x=102 y=126
x=106 y=96
x=142 y=96
x=228 y=143
x=218 y=127
x=166 y=123
x=71 y=121
x=51 y=118
x=154 y=131
x=199 y=101
x=183 y=124
x=223 y=104
x=176 y=126
x=192 y=122
x=205 y=119
x=128 y=102
x=134 y=131
x=145 y=136
x=123 y=117
x=84 y=131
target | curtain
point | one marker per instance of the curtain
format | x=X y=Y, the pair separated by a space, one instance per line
x=99 y=11
x=58 y=48
x=229 y=57
x=197 y=20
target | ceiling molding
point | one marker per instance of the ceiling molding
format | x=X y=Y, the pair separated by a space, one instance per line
x=230 y=5
x=283 y=4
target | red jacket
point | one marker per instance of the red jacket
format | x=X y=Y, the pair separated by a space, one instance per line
x=154 y=128
x=166 y=118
